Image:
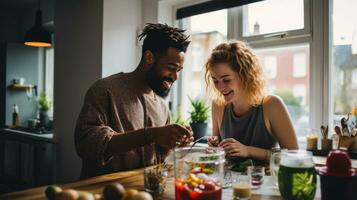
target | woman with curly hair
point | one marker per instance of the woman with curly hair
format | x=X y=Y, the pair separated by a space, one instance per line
x=248 y=123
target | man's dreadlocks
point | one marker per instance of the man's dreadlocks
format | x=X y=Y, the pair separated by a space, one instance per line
x=159 y=37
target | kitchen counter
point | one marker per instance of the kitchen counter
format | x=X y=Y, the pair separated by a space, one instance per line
x=26 y=135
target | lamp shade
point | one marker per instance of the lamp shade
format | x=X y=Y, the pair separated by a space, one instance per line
x=38 y=36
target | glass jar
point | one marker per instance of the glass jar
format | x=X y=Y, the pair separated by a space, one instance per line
x=199 y=173
x=275 y=163
x=297 y=176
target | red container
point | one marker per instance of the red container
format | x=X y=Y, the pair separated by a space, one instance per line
x=208 y=190
x=337 y=179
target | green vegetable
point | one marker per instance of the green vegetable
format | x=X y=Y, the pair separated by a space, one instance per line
x=242 y=166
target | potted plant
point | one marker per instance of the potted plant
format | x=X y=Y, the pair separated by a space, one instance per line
x=178 y=119
x=44 y=105
x=199 y=117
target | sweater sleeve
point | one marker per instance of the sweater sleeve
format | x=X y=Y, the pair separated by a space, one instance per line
x=92 y=133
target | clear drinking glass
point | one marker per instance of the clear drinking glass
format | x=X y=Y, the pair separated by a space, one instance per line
x=241 y=187
x=256 y=174
x=155 y=179
x=312 y=138
x=199 y=173
x=297 y=176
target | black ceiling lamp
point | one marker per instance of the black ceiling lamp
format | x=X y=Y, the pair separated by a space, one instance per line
x=38 y=36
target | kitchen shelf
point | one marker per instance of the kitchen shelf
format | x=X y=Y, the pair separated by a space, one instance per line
x=21 y=87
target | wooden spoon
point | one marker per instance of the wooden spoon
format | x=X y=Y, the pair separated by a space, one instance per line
x=338 y=130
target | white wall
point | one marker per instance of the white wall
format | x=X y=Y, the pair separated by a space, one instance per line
x=78 y=60
x=121 y=22
x=150 y=11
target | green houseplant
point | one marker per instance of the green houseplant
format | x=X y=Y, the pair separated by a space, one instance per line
x=44 y=105
x=199 y=117
x=178 y=119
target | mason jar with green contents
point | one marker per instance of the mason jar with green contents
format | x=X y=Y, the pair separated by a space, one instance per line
x=297 y=176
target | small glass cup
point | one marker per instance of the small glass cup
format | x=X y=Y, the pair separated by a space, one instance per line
x=242 y=187
x=257 y=175
x=155 y=179
x=312 y=138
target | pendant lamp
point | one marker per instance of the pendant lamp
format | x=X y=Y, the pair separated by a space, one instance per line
x=38 y=36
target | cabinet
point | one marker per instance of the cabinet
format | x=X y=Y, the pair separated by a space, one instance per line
x=27 y=160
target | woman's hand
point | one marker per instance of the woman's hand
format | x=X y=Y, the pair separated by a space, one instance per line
x=234 y=148
x=213 y=141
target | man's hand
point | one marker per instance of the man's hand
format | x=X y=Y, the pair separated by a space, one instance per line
x=213 y=141
x=187 y=139
x=171 y=135
x=234 y=148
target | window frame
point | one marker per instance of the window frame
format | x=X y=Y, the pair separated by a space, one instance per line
x=316 y=32
x=316 y=23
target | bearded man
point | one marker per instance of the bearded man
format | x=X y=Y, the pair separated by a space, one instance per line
x=125 y=123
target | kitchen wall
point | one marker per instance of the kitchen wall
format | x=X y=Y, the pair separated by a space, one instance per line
x=78 y=64
x=21 y=61
x=9 y=32
x=120 y=47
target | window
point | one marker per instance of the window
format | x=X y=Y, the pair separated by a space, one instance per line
x=292 y=90
x=299 y=65
x=207 y=31
x=49 y=76
x=354 y=79
x=299 y=91
x=270 y=34
x=262 y=17
x=270 y=67
x=344 y=58
x=197 y=55
x=281 y=43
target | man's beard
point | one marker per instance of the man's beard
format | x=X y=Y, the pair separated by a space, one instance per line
x=155 y=82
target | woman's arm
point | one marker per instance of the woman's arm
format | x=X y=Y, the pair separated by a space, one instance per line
x=233 y=147
x=279 y=122
x=217 y=113
x=216 y=119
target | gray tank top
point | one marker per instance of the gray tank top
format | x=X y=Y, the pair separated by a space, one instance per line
x=248 y=129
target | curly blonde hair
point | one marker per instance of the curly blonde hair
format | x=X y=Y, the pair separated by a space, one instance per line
x=242 y=60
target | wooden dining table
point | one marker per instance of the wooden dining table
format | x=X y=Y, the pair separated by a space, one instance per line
x=135 y=180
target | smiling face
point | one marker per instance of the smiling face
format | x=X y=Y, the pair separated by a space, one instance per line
x=227 y=82
x=164 y=71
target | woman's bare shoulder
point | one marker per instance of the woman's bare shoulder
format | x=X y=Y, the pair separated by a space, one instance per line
x=273 y=107
x=272 y=102
x=217 y=108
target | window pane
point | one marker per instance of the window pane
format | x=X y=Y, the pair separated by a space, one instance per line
x=262 y=17
x=300 y=65
x=49 y=76
x=293 y=90
x=207 y=31
x=344 y=58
